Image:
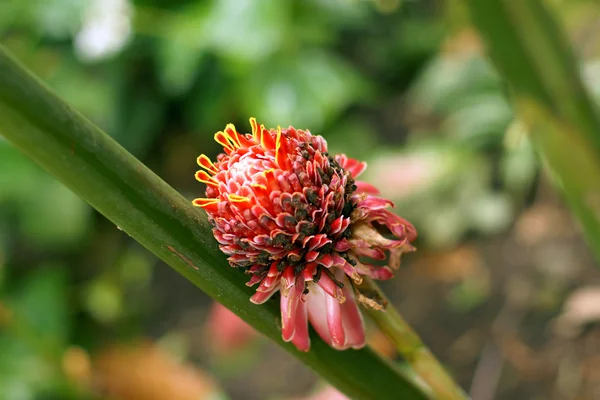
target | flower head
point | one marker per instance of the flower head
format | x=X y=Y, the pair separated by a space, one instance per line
x=296 y=220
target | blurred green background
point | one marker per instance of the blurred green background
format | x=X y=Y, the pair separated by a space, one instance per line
x=502 y=288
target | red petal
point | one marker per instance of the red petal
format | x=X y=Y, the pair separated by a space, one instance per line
x=364 y=187
x=261 y=297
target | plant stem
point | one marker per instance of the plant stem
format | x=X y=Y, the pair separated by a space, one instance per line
x=135 y=199
x=412 y=349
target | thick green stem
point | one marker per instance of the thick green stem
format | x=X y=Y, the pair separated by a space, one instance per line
x=123 y=189
x=412 y=349
x=532 y=53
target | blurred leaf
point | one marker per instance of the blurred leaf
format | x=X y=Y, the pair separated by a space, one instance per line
x=453 y=180
x=354 y=137
x=532 y=53
x=135 y=267
x=470 y=293
x=178 y=66
x=184 y=42
x=99 y=97
x=139 y=118
x=519 y=164
x=57 y=18
x=449 y=80
x=104 y=300
x=308 y=90
x=479 y=116
x=246 y=30
x=40 y=307
x=491 y=213
x=53 y=216
x=23 y=374
x=23 y=176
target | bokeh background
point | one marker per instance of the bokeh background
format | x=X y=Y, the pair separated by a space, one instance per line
x=503 y=288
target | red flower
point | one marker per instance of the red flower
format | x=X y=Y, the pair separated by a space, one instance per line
x=293 y=217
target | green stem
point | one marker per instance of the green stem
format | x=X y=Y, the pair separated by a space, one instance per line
x=412 y=349
x=135 y=199
x=532 y=53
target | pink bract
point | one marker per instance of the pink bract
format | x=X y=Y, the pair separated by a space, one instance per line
x=296 y=220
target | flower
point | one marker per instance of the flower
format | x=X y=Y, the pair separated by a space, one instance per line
x=294 y=218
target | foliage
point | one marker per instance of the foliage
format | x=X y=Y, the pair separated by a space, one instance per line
x=407 y=88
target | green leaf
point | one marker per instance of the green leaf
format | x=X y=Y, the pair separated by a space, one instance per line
x=533 y=55
x=310 y=93
x=40 y=306
x=96 y=168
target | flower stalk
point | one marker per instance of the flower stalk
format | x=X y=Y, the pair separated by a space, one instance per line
x=410 y=346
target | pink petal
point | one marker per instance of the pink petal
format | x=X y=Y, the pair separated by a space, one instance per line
x=335 y=323
x=353 y=320
x=340 y=325
x=301 y=339
x=315 y=302
x=289 y=307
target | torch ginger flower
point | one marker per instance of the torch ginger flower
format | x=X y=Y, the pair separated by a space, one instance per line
x=294 y=218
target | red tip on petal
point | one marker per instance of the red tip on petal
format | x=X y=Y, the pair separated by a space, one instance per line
x=309 y=271
x=261 y=297
x=288 y=279
x=349 y=164
x=311 y=256
x=331 y=288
